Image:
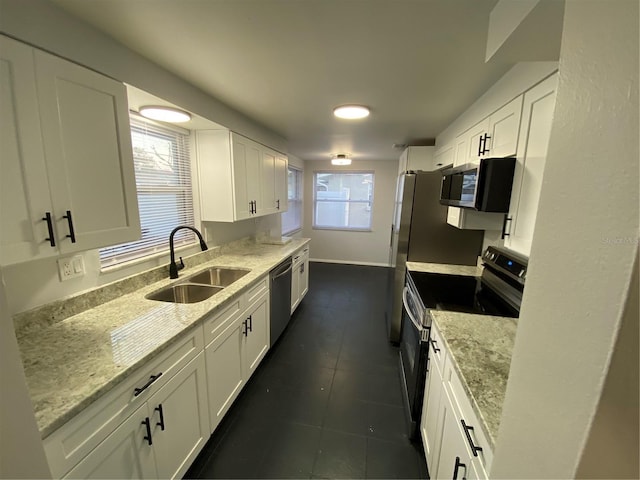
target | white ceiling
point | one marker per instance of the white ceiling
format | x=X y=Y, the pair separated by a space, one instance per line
x=287 y=63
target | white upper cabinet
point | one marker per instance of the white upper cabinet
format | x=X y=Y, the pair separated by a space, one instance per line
x=495 y=136
x=239 y=178
x=282 y=187
x=538 y=108
x=418 y=158
x=68 y=181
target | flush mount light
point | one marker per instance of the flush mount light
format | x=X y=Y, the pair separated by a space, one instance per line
x=340 y=159
x=165 y=114
x=351 y=112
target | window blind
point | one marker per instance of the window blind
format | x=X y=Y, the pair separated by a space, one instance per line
x=165 y=199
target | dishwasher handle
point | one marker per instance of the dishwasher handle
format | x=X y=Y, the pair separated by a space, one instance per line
x=275 y=277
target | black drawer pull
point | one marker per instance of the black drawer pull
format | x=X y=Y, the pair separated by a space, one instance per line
x=246 y=327
x=161 y=422
x=72 y=234
x=467 y=429
x=152 y=378
x=147 y=437
x=51 y=239
x=457 y=466
x=250 y=324
x=433 y=344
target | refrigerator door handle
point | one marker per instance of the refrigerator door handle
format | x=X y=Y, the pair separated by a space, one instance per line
x=408 y=310
x=391 y=237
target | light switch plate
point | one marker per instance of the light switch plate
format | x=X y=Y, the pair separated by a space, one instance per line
x=70 y=267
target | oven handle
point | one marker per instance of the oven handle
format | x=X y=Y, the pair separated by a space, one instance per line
x=406 y=307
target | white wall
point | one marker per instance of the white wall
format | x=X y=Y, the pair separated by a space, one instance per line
x=44 y=25
x=21 y=452
x=583 y=250
x=366 y=248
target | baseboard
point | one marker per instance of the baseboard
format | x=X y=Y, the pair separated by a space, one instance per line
x=348 y=262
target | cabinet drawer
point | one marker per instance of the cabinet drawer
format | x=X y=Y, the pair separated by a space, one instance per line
x=75 y=439
x=465 y=413
x=216 y=324
x=257 y=290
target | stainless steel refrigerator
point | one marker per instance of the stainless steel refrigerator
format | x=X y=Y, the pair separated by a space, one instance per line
x=420 y=233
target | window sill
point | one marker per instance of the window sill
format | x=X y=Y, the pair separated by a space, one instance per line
x=153 y=259
x=338 y=229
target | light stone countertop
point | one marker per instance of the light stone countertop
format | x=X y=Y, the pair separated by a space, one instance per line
x=446 y=269
x=481 y=347
x=71 y=363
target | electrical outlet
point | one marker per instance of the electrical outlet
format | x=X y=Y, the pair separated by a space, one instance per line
x=70 y=267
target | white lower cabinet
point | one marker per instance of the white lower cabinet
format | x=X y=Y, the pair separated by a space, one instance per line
x=299 y=277
x=159 y=440
x=179 y=418
x=124 y=454
x=239 y=343
x=449 y=427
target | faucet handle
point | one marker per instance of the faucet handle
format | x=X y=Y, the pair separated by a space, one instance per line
x=181 y=266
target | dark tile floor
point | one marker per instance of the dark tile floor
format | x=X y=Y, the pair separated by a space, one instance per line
x=326 y=401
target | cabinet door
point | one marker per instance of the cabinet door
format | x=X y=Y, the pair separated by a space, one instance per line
x=282 y=184
x=454 y=456
x=473 y=144
x=123 y=454
x=304 y=275
x=24 y=189
x=461 y=150
x=431 y=422
x=246 y=157
x=87 y=143
x=295 y=281
x=256 y=335
x=445 y=156
x=503 y=130
x=267 y=203
x=224 y=371
x=537 y=115
x=180 y=419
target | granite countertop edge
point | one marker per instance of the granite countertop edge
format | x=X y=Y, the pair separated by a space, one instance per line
x=487 y=405
x=446 y=269
x=90 y=335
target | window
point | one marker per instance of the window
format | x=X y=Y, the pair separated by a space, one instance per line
x=292 y=218
x=163 y=181
x=342 y=201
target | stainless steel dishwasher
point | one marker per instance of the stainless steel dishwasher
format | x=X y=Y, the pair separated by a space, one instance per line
x=280 y=288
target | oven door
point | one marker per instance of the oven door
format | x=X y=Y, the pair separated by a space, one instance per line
x=414 y=348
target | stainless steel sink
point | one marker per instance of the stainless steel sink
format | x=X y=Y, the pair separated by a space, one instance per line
x=217 y=276
x=184 y=293
x=199 y=286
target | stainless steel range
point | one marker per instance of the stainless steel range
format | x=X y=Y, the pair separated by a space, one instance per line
x=498 y=291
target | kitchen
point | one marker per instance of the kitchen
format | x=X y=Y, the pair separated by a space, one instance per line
x=536 y=403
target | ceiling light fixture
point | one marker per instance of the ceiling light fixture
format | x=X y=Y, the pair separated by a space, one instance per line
x=165 y=114
x=340 y=159
x=351 y=112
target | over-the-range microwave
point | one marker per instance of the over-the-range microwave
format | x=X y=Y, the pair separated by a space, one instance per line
x=485 y=187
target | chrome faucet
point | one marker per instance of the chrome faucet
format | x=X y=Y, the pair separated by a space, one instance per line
x=173 y=268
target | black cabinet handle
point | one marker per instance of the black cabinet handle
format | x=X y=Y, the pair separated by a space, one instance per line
x=246 y=328
x=507 y=218
x=72 y=234
x=278 y=204
x=433 y=344
x=255 y=206
x=484 y=144
x=152 y=378
x=250 y=319
x=457 y=466
x=480 y=147
x=51 y=239
x=161 y=422
x=147 y=437
x=467 y=429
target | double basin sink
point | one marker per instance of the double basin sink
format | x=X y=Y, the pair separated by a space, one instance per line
x=199 y=286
